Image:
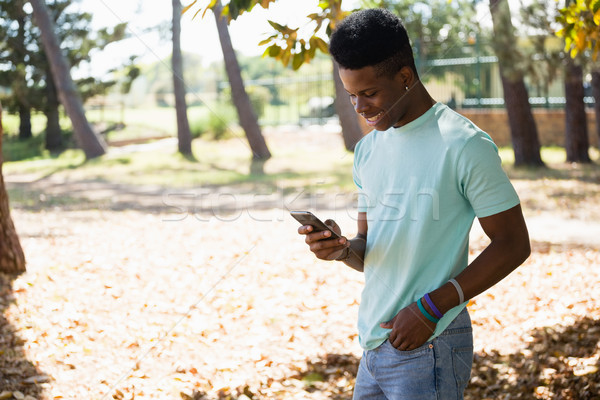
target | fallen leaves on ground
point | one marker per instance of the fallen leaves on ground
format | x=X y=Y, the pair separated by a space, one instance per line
x=142 y=305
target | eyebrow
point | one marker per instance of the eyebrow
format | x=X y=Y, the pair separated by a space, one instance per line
x=362 y=91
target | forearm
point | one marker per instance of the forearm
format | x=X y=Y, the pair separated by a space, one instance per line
x=499 y=259
x=356 y=253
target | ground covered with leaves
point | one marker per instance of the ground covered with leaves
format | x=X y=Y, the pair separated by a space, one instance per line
x=181 y=296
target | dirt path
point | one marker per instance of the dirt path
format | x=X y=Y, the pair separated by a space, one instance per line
x=145 y=293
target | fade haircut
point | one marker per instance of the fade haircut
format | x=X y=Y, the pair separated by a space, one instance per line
x=372 y=37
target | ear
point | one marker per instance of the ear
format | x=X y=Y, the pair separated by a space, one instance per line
x=406 y=76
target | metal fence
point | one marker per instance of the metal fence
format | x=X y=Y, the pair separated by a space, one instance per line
x=467 y=82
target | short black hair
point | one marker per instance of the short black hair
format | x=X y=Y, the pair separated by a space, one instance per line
x=372 y=37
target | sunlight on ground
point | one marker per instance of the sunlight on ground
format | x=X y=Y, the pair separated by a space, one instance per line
x=136 y=290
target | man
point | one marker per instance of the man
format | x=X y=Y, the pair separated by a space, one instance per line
x=423 y=175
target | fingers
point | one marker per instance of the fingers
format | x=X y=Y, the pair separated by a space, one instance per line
x=328 y=249
x=397 y=341
x=318 y=236
x=400 y=344
x=334 y=226
x=305 y=229
x=321 y=243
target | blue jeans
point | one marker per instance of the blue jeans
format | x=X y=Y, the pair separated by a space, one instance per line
x=438 y=370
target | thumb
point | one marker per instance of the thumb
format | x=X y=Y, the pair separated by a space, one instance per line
x=333 y=225
x=387 y=325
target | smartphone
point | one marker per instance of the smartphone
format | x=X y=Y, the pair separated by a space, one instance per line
x=308 y=218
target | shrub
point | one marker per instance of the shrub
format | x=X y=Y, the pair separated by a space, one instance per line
x=219 y=124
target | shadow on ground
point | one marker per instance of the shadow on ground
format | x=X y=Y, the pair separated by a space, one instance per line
x=556 y=363
x=17 y=373
x=208 y=199
x=565 y=171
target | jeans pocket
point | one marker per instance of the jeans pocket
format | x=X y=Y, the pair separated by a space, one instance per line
x=462 y=361
x=424 y=347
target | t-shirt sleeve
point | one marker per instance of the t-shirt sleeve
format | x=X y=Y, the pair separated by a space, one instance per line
x=482 y=180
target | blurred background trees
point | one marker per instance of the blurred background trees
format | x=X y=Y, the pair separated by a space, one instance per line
x=459 y=56
x=246 y=114
x=524 y=134
x=28 y=71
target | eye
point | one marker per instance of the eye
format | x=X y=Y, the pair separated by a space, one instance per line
x=371 y=94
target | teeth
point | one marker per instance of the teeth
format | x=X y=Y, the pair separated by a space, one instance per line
x=375 y=118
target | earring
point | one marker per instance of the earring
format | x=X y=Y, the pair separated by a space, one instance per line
x=406 y=88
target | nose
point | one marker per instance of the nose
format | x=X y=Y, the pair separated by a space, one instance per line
x=359 y=105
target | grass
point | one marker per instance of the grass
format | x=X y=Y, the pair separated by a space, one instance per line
x=139 y=123
x=295 y=163
x=45 y=164
x=215 y=163
x=149 y=121
x=556 y=166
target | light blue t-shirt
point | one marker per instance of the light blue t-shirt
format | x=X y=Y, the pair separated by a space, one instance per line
x=421 y=186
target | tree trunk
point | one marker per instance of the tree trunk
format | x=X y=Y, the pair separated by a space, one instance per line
x=523 y=130
x=576 y=132
x=351 y=130
x=184 y=136
x=24 y=122
x=91 y=143
x=596 y=94
x=53 y=131
x=20 y=50
x=246 y=114
x=12 y=259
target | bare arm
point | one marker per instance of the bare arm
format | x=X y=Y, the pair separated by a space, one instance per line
x=508 y=249
x=356 y=251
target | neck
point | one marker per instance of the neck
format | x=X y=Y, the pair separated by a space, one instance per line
x=421 y=102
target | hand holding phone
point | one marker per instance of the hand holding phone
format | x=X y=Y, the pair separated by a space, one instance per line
x=308 y=218
x=324 y=247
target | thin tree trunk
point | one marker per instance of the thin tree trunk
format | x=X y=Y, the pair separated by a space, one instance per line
x=53 y=131
x=12 y=259
x=184 y=136
x=24 y=122
x=596 y=94
x=91 y=143
x=20 y=50
x=523 y=130
x=576 y=132
x=246 y=114
x=351 y=130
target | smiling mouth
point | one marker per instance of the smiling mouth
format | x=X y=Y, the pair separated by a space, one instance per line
x=373 y=118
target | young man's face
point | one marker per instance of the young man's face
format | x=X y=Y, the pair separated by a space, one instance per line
x=381 y=100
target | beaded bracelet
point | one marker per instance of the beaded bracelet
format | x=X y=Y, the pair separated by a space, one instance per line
x=426 y=314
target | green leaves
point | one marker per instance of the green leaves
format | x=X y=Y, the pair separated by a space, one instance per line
x=232 y=10
x=285 y=45
x=581 y=27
